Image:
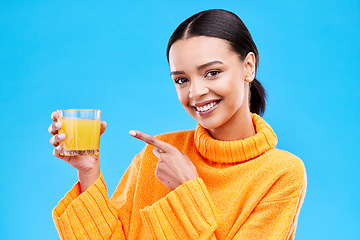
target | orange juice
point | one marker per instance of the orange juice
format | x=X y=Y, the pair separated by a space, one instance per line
x=82 y=136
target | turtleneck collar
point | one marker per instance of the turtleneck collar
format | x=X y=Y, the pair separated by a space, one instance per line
x=239 y=150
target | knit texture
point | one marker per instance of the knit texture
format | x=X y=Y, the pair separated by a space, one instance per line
x=246 y=189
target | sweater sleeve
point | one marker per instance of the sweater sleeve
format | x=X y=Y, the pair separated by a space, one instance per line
x=275 y=217
x=272 y=220
x=185 y=213
x=87 y=215
x=188 y=213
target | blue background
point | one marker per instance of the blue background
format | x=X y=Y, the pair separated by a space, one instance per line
x=111 y=55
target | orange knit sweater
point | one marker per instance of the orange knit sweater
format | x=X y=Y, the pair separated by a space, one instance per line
x=246 y=189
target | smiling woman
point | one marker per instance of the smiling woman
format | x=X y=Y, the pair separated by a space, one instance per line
x=212 y=80
x=223 y=180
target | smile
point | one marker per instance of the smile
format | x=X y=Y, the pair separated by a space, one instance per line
x=206 y=108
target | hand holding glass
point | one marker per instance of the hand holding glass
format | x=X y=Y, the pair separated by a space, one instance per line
x=82 y=131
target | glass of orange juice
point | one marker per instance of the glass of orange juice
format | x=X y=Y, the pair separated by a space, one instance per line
x=82 y=131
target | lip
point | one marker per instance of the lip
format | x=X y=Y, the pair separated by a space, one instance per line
x=205 y=113
x=204 y=103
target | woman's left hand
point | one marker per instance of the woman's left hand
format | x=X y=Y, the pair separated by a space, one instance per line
x=174 y=167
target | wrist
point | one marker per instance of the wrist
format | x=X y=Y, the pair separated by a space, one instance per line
x=88 y=177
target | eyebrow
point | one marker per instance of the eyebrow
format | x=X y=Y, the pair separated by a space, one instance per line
x=198 y=68
x=208 y=64
x=177 y=73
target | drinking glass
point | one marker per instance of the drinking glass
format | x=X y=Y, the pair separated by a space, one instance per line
x=82 y=131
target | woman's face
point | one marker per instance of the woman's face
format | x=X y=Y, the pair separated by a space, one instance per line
x=210 y=80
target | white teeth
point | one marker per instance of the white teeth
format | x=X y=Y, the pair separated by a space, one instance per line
x=205 y=107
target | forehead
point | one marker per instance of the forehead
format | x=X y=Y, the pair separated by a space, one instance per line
x=195 y=51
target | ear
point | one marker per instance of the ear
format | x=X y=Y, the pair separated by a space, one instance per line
x=249 y=67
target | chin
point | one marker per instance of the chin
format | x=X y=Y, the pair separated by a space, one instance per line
x=209 y=123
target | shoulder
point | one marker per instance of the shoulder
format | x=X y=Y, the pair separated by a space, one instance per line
x=177 y=138
x=287 y=172
x=285 y=161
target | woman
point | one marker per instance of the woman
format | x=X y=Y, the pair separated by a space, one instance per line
x=223 y=180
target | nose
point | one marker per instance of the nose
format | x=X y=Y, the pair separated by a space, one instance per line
x=197 y=89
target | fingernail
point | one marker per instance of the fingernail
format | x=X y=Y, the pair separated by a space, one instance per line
x=58 y=148
x=61 y=136
x=58 y=124
x=132 y=133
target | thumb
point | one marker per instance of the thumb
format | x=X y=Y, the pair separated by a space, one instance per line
x=157 y=152
x=103 y=127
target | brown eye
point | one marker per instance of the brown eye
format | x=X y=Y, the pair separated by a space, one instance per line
x=212 y=73
x=181 y=80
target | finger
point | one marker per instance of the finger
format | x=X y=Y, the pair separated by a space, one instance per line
x=54 y=127
x=56 y=153
x=103 y=127
x=165 y=147
x=54 y=116
x=56 y=139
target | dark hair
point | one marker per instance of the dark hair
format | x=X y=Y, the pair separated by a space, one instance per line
x=226 y=25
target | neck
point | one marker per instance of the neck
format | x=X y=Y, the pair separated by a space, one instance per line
x=239 y=127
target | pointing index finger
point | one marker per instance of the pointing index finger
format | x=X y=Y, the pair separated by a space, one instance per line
x=165 y=147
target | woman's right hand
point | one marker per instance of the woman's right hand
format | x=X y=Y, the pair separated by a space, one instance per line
x=88 y=166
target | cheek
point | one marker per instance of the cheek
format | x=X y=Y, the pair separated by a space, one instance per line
x=182 y=96
x=239 y=95
x=234 y=94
